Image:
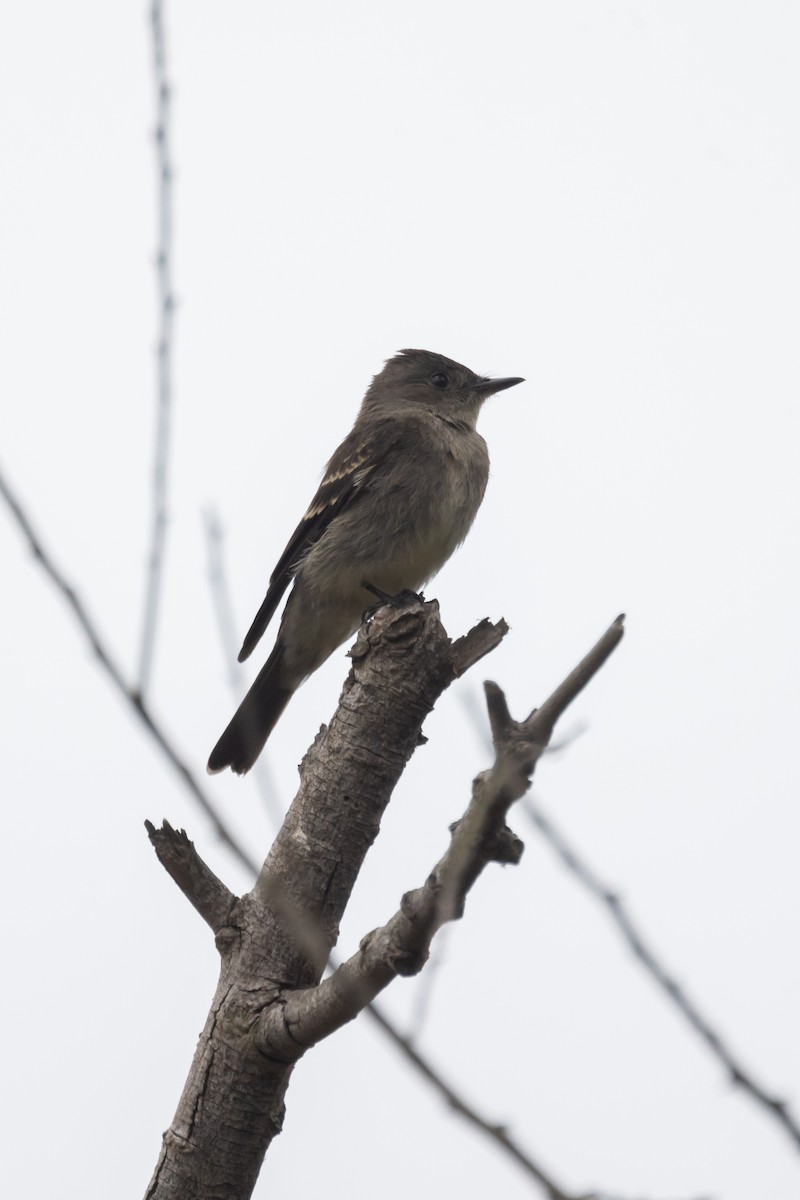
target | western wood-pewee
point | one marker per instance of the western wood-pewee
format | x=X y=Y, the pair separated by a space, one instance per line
x=398 y=497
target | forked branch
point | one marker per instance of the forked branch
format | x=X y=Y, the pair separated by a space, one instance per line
x=402 y=945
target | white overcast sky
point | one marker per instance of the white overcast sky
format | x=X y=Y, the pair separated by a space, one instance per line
x=602 y=197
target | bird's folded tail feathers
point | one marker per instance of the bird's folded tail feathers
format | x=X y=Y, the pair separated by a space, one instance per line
x=264 y=616
x=253 y=721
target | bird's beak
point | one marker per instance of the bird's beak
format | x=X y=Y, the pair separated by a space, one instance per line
x=488 y=387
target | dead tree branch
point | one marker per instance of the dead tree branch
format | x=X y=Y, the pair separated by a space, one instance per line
x=402 y=661
x=196 y=880
x=401 y=946
x=270 y=1005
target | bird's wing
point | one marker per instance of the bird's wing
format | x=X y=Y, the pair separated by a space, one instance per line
x=345 y=478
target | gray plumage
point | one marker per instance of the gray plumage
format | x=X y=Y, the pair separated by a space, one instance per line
x=398 y=496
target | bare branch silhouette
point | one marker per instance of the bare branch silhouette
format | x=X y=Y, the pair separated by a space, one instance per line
x=130 y=693
x=610 y=899
x=164 y=354
x=496 y=1132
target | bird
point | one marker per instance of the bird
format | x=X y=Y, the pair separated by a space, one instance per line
x=397 y=497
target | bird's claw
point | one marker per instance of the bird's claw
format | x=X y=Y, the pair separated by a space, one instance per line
x=404 y=598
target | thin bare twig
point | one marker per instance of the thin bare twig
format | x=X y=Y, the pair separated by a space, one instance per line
x=130 y=694
x=164 y=355
x=610 y=899
x=496 y=1132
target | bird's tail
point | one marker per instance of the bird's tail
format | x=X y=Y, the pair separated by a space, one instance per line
x=253 y=721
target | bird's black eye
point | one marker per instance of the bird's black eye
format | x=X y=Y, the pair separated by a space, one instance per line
x=439 y=380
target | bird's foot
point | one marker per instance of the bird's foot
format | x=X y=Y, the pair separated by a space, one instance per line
x=401 y=600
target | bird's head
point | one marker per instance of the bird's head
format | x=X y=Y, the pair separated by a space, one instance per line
x=421 y=377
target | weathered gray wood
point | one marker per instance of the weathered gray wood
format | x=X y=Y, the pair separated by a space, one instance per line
x=275 y=940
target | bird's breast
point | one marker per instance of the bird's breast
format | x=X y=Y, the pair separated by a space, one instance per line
x=409 y=520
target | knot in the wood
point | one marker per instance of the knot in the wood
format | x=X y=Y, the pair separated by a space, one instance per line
x=407 y=963
x=503 y=846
